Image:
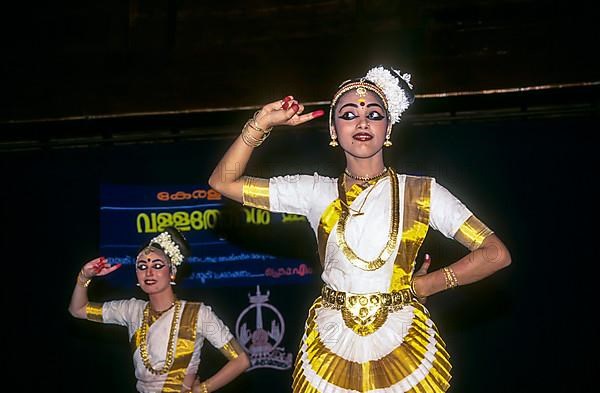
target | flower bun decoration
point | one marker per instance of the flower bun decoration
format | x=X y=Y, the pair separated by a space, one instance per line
x=169 y=247
x=396 y=87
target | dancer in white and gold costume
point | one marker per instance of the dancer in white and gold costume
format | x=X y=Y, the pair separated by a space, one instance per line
x=166 y=334
x=368 y=331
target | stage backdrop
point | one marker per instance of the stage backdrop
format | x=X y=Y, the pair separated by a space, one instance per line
x=525 y=178
x=132 y=215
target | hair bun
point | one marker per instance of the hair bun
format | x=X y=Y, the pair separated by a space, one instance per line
x=397 y=88
x=180 y=240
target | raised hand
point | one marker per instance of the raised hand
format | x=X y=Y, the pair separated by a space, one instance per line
x=98 y=267
x=286 y=112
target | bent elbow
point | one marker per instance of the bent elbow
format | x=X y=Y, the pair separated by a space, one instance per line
x=216 y=182
x=507 y=260
x=496 y=254
x=74 y=313
x=503 y=259
x=212 y=182
x=245 y=361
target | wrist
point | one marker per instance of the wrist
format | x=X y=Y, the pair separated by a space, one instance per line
x=253 y=134
x=83 y=275
x=202 y=388
x=417 y=287
x=83 y=280
x=261 y=124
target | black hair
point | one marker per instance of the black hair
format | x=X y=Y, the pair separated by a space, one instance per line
x=408 y=91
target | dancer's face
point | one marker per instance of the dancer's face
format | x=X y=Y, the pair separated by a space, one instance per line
x=360 y=123
x=152 y=271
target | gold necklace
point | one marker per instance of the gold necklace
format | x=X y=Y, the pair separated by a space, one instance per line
x=170 y=347
x=155 y=315
x=390 y=246
x=359 y=211
x=158 y=314
x=365 y=178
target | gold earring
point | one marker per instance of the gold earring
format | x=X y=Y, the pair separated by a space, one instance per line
x=387 y=142
x=333 y=142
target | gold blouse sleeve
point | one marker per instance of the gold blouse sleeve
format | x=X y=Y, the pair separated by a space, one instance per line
x=93 y=311
x=472 y=233
x=232 y=349
x=255 y=192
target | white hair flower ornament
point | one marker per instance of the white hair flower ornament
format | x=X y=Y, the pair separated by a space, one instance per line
x=169 y=247
x=398 y=98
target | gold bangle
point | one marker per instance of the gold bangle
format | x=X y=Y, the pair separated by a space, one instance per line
x=82 y=280
x=250 y=139
x=256 y=127
x=203 y=387
x=450 y=277
x=413 y=291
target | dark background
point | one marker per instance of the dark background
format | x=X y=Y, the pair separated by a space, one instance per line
x=153 y=92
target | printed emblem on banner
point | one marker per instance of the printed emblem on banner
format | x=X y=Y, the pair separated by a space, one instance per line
x=261 y=344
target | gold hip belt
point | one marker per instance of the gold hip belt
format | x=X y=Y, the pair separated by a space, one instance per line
x=367 y=312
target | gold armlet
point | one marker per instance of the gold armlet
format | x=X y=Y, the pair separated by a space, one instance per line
x=232 y=349
x=472 y=233
x=255 y=192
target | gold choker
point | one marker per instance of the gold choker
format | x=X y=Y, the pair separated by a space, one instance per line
x=365 y=178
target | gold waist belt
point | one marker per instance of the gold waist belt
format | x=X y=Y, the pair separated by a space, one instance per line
x=365 y=313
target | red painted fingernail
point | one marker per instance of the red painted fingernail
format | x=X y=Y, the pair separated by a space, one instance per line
x=285 y=105
x=295 y=107
x=318 y=113
x=287 y=98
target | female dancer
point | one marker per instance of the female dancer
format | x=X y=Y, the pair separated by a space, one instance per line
x=166 y=333
x=369 y=331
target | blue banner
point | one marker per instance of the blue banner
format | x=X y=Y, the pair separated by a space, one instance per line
x=131 y=215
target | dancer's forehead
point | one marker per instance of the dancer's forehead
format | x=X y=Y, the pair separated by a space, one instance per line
x=150 y=254
x=359 y=99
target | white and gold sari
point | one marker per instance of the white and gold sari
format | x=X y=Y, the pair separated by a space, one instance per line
x=187 y=323
x=367 y=333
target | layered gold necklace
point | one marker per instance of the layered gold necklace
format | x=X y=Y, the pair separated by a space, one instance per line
x=170 y=358
x=392 y=242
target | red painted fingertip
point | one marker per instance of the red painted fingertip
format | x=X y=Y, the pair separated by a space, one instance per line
x=295 y=107
x=285 y=105
x=318 y=113
x=287 y=98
